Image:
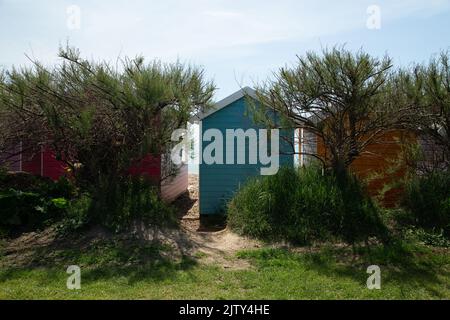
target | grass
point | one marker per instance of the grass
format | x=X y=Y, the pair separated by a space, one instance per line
x=114 y=269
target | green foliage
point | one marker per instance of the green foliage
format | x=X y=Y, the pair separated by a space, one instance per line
x=60 y=203
x=101 y=119
x=29 y=202
x=133 y=199
x=359 y=217
x=426 y=89
x=427 y=203
x=20 y=210
x=130 y=199
x=38 y=202
x=412 y=234
x=43 y=186
x=77 y=215
x=304 y=206
x=345 y=98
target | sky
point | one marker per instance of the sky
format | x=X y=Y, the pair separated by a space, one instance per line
x=238 y=42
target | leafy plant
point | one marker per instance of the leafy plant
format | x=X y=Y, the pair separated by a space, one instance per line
x=29 y=202
x=21 y=210
x=343 y=98
x=305 y=206
x=100 y=119
x=134 y=199
x=435 y=239
x=427 y=202
x=77 y=215
x=44 y=186
x=426 y=89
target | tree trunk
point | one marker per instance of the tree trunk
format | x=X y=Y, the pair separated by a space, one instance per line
x=340 y=169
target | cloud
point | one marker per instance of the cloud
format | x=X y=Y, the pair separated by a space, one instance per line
x=187 y=28
x=223 y=14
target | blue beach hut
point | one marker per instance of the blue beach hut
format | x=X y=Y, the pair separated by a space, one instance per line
x=225 y=165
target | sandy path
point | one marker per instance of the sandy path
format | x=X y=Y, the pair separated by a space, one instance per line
x=217 y=246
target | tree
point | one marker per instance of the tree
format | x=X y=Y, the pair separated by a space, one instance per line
x=345 y=99
x=427 y=89
x=97 y=118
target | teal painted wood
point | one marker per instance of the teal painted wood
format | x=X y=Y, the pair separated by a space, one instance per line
x=218 y=182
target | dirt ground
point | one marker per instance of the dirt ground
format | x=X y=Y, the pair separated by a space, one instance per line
x=213 y=244
x=209 y=245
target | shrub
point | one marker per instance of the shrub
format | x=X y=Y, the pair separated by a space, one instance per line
x=130 y=199
x=21 y=210
x=43 y=186
x=359 y=217
x=434 y=239
x=23 y=181
x=427 y=203
x=101 y=119
x=76 y=216
x=304 y=206
x=29 y=202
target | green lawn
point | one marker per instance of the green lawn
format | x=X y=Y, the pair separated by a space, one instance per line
x=124 y=270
